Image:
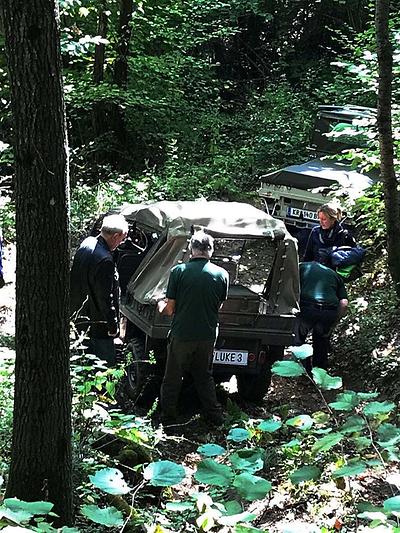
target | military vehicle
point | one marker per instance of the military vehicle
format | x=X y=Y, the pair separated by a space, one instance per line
x=256 y=322
x=294 y=193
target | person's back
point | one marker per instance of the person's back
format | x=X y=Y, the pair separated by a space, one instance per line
x=195 y=292
x=198 y=287
x=320 y=284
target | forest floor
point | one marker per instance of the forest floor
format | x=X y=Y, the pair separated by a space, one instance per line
x=289 y=396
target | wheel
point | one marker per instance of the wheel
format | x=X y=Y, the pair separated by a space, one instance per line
x=138 y=371
x=254 y=387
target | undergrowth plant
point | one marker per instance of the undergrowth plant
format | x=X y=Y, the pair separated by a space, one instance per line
x=295 y=456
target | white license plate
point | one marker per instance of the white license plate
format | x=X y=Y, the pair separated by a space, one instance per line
x=302 y=213
x=231 y=357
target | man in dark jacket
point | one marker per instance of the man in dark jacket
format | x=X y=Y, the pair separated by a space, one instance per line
x=94 y=288
x=323 y=301
x=195 y=292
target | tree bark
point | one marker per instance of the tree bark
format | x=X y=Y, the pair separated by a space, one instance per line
x=124 y=38
x=100 y=50
x=41 y=446
x=384 y=122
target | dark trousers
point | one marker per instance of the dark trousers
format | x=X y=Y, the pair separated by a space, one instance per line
x=320 y=322
x=103 y=348
x=194 y=357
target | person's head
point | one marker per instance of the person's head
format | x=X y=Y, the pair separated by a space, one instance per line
x=114 y=230
x=201 y=245
x=328 y=214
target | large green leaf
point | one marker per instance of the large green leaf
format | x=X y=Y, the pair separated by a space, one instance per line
x=164 y=473
x=234 y=519
x=238 y=434
x=270 y=425
x=378 y=408
x=211 y=450
x=345 y=401
x=302 y=422
x=287 y=369
x=388 y=435
x=301 y=352
x=240 y=528
x=18 y=516
x=354 y=424
x=251 y=487
x=248 y=460
x=108 y=516
x=34 y=508
x=324 y=380
x=213 y=473
x=352 y=469
x=110 y=480
x=327 y=442
x=179 y=506
x=305 y=473
x=392 y=505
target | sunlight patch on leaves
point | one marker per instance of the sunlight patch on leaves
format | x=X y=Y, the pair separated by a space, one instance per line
x=110 y=480
x=164 y=473
x=287 y=369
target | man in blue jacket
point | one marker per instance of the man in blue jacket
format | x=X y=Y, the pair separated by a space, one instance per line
x=95 y=289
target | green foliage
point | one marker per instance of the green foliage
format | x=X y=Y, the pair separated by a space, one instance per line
x=164 y=473
x=108 y=516
x=110 y=480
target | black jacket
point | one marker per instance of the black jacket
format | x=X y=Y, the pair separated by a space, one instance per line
x=94 y=288
x=321 y=239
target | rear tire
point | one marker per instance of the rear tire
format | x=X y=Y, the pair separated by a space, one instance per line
x=138 y=371
x=254 y=387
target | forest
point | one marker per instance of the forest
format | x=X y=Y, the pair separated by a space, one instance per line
x=116 y=101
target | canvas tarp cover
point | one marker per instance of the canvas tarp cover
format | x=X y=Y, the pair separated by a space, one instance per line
x=221 y=219
x=320 y=173
x=233 y=219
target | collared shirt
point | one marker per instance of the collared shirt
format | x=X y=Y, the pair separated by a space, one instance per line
x=198 y=288
x=321 y=284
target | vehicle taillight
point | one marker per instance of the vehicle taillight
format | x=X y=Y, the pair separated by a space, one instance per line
x=252 y=357
x=262 y=356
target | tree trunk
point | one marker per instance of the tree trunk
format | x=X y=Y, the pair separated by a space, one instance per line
x=384 y=121
x=124 y=38
x=99 y=53
x=41 y=446
x=99 y=114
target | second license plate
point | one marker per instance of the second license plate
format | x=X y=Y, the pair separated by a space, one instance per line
x=231 y=357
x=302 y=213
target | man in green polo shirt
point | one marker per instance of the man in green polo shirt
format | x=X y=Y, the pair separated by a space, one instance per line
x=323 y=301
x=195 y=292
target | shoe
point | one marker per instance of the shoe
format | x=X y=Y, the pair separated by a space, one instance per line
x=215 y=420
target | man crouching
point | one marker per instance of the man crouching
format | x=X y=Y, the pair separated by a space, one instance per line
x=195 y=293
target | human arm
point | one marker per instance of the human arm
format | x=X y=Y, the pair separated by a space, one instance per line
x=343 y=307
x=106 y=295
x=166 y=307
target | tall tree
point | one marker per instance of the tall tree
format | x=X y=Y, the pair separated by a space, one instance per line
x=384 y=121
x=41 y=447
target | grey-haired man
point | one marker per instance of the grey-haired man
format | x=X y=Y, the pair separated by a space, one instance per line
x=196 y=291
x=95 y=290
